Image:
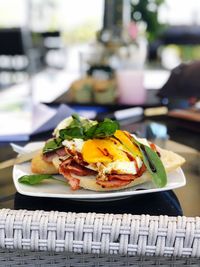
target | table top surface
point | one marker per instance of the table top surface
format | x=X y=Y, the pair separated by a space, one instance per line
x=181 y=201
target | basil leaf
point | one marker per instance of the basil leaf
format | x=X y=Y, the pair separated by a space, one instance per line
x=86 y=124
x=76 y=122
x=34 y=178
x=70 y=133
x=77 y=128
x=85 y=129
x=154 y=164
x=52 y=145
x=76 y=117
x=90 y=133
x=105 y=128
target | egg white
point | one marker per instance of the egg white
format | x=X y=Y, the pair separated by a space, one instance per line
x=122 y=167
x=75 y=145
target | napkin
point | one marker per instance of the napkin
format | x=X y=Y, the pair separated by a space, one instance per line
x=19 y=126
x=46 y=118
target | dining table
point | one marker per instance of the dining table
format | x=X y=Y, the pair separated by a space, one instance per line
x=178 y=135
x=180 y=201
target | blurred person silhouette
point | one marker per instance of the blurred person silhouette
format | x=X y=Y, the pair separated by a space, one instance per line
x=182 y=89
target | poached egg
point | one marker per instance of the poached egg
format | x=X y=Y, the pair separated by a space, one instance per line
x=116 y=154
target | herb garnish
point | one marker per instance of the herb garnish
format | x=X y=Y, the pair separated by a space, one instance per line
x=86 y=129
x=102 y=129
x=37 y=178
x=52 y=145
x=153 y=163
x=82 y=129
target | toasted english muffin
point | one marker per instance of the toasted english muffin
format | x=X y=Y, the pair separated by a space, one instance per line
x=170 y=160
x=39 y=165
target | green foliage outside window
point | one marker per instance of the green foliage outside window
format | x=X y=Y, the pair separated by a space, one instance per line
x=147 y=11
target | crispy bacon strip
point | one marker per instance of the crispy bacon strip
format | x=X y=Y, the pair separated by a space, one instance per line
x=141 y=171
x=73 y=182
x=122 y=177
x=80 y=170
x=69 y=167
x=153 y=147
x=118 y=180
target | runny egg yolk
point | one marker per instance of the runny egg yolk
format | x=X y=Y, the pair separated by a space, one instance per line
x=124 y=138
x=111 y=149
x=103 y=150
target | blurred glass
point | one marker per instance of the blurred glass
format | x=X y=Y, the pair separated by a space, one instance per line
x=157 y=133
x=131 y=86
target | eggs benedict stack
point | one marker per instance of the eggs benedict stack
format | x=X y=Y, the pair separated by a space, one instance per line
x=99 y=156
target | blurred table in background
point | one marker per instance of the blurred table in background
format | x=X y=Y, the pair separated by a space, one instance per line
x=153 y=81
x=50 y=84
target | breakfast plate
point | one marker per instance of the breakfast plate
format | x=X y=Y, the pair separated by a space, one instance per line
x=56 y=189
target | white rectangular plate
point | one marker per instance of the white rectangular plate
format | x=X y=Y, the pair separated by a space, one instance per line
x=52 y=188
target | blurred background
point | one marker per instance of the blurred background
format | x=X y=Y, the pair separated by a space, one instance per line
x=114 y=53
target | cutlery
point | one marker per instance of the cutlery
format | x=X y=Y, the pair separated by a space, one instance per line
x=19 y=149
x=19 y=159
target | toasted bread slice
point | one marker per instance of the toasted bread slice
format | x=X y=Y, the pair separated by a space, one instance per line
x=38 y=165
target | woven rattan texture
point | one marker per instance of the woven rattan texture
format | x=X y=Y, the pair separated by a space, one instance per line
x=11 y=258
x=90 y=233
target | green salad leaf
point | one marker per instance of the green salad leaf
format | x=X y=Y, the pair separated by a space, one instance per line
x=76 y=129
x=52 y=145
x=34 y=179
x=103 y=129
x=71 y=133
x=153 y=163
x=86 y=129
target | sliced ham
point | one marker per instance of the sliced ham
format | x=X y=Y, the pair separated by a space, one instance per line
x=61 y=152
x=50 y=155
